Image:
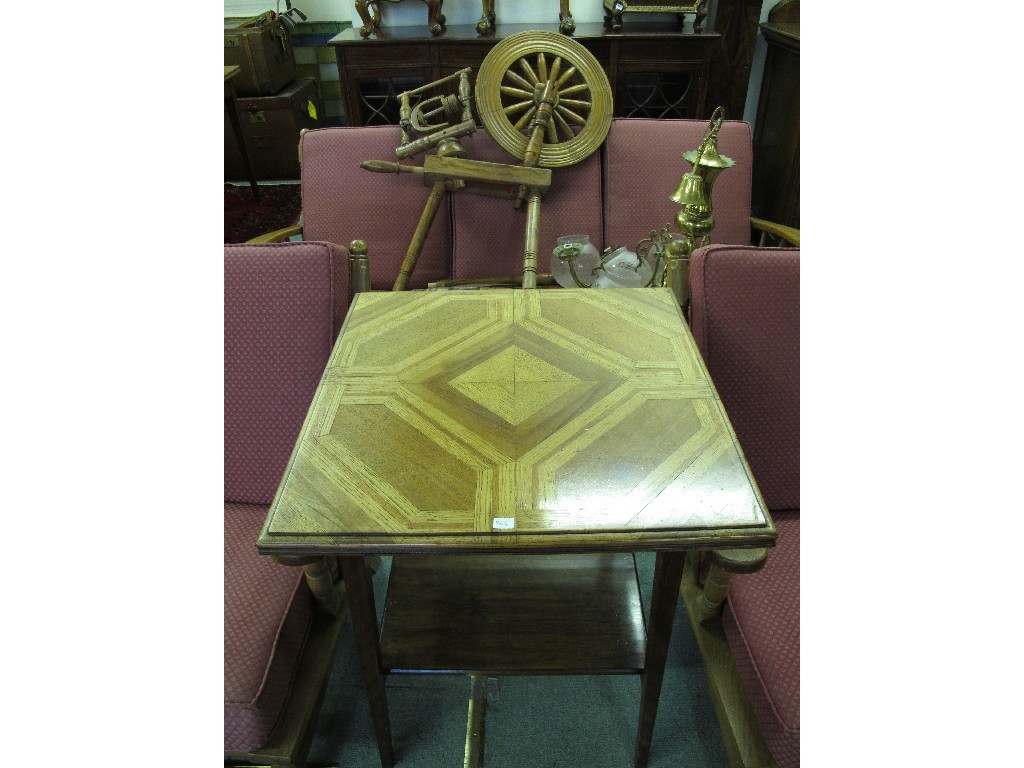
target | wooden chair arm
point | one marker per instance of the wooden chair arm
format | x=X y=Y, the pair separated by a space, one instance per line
x=278 y=235
x=786 y=234
x=726 y=563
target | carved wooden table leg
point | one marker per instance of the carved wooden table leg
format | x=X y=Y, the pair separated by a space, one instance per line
x=435 y=19
x=359 y=592
x=613 y=16
x=369 y=12
x=668 y=570
x=566 y=25
x=702 y=14
x=487 y=19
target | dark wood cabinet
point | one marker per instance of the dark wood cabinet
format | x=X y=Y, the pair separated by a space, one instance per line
x=654 y=69
x=776 y=184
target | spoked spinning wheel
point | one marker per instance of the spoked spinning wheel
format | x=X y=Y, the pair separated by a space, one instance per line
x=536 y=71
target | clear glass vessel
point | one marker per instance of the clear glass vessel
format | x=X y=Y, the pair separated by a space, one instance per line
x=574 y=260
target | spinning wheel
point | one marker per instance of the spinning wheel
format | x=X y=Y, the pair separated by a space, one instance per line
x=555 y=113
x=531 y=72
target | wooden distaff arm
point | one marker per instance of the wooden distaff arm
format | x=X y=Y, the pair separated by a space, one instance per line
x=726 y=563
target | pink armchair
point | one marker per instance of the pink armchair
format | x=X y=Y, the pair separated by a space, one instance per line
x=745 y=318
x=282 y=313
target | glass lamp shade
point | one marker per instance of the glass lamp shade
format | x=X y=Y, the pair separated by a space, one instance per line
x=574 y=254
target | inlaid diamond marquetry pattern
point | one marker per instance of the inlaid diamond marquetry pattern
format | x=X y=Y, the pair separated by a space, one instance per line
x=514 y=384
x=560 y=410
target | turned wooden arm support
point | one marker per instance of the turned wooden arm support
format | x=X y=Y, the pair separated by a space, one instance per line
x=322 y=584
x=320 y=580
x=726 y=563
x=358 y=269
x=786 y=234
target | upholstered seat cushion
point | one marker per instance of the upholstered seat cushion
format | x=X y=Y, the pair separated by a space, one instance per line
x=762 y=624
x=267 y=616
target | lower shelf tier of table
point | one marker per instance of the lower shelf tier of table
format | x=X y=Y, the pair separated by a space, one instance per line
x=514 y=614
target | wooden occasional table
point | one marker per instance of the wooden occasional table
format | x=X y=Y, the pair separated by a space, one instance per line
x=562 y=429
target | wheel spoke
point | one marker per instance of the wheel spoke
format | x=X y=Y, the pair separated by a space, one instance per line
x=542 y=67
x=576 y=103
x=519 y=80
x=552 y=132
x=526 y=118
x=519 y=92
x=511 y=109
x=555 y=66
x=566 y=128
x=574 y=89
x=528 y=71
x=566 y=75
x=570 y=115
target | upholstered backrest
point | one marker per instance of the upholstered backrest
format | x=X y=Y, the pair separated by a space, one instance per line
x=282 y=312
x=643 y=165
x=342 y=202
x=745 y=318
x=489 y=233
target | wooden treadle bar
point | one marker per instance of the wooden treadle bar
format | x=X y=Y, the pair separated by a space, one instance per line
x=475 y=722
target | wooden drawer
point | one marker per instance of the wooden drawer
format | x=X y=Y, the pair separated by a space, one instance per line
x=370 y=54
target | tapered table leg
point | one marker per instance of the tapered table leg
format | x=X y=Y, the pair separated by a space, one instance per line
x=359 y=591
x=668 y=570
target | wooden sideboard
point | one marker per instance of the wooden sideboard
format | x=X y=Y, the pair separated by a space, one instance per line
x=654 y=69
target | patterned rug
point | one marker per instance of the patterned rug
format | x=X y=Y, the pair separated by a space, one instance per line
x=244 y=218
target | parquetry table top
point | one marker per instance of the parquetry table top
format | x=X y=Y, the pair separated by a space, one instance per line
x=515 y=419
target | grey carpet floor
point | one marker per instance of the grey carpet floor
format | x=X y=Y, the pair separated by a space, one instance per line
x=535 y=722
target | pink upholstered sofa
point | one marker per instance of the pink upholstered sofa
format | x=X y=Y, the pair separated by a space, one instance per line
x=616 y=196
x=282 y=313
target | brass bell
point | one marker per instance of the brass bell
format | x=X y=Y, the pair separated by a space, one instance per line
x=708 y=156
x=690 y=191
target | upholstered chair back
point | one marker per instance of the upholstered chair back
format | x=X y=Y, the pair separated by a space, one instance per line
x=643 y=165
x=489 y=233
x=282 y=313
x=342 y=202
x=745 y=318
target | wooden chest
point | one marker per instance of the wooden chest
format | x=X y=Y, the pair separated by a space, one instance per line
x=271 y=125
x=262 y=47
